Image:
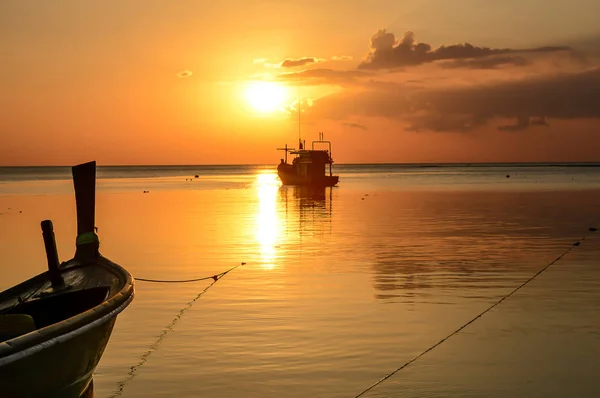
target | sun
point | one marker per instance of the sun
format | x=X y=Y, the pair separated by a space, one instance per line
x=266 y=97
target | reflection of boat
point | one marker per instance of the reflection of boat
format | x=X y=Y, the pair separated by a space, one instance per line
x=312 y=206
x=55 y=326
x=308 y=167
x=311 y=196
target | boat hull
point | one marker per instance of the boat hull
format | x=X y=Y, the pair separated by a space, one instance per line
x=61 y=371
x=74 y=324
x=288 y=178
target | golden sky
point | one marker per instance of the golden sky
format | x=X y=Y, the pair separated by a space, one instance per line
x=206 y=82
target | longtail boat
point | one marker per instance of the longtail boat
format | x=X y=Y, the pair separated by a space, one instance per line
x=308 y=168
x=55 y=326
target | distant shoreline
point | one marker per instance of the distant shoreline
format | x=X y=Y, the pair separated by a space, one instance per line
x=414 y=165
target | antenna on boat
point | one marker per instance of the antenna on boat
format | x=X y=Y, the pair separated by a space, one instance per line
x=286 y=149
x=84 y=181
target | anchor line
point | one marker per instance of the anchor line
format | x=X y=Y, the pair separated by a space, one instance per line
x=378 y=382
x=154 y=346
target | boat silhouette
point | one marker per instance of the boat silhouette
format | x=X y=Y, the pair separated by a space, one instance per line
x=55 y=326
x=308 y=168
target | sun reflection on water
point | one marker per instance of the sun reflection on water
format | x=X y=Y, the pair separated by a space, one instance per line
x=268 y=226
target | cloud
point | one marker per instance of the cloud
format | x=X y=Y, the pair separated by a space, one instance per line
x=301 y=104
x=288 y=62
x=522 y=123
x=184 y=73
x=452 y=89
x=486 y=62
x=565 y=95
x=531 y=101
x=355 y=126
x=342 y=58
x=589 y=44
x=388 y=53
x=324 y=76
x=291 y=63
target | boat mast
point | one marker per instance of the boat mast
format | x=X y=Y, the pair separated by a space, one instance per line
x=299 y=110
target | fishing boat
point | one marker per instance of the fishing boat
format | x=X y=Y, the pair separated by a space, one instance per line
x=55 y=326
x=308 y=168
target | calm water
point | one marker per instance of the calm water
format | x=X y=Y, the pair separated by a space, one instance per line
x=340 y=286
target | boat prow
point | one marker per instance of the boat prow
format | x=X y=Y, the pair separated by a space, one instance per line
x=55 y=326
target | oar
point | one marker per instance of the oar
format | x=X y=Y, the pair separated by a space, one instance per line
x=84 y=181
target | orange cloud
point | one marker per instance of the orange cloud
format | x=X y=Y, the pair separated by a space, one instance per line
x=291 y=63
x=342 y=58
x=184 y=73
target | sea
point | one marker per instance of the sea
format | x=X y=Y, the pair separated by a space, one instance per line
x=363 y=289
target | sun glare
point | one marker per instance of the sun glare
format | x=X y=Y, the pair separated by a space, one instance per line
x=266 y=97
x=267 y=220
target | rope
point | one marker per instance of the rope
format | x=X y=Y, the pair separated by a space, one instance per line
x=476 y=317
x=144 y=358
x=214 y=277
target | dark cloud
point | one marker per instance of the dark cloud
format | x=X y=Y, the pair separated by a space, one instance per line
x=566 y=95
x=387 y=53
x=589 y=45
x=522 y=123
x=441 y=122
x=291 y=63
x=538 y=122
x=355 y=126
x=530 y=101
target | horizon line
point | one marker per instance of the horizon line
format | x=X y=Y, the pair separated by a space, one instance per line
x=548 y=163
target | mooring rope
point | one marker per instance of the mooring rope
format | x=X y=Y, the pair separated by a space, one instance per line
x=477 y=316
x=215 y=277
x=144 y=358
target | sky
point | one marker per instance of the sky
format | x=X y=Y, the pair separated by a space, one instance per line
x=207 y=82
